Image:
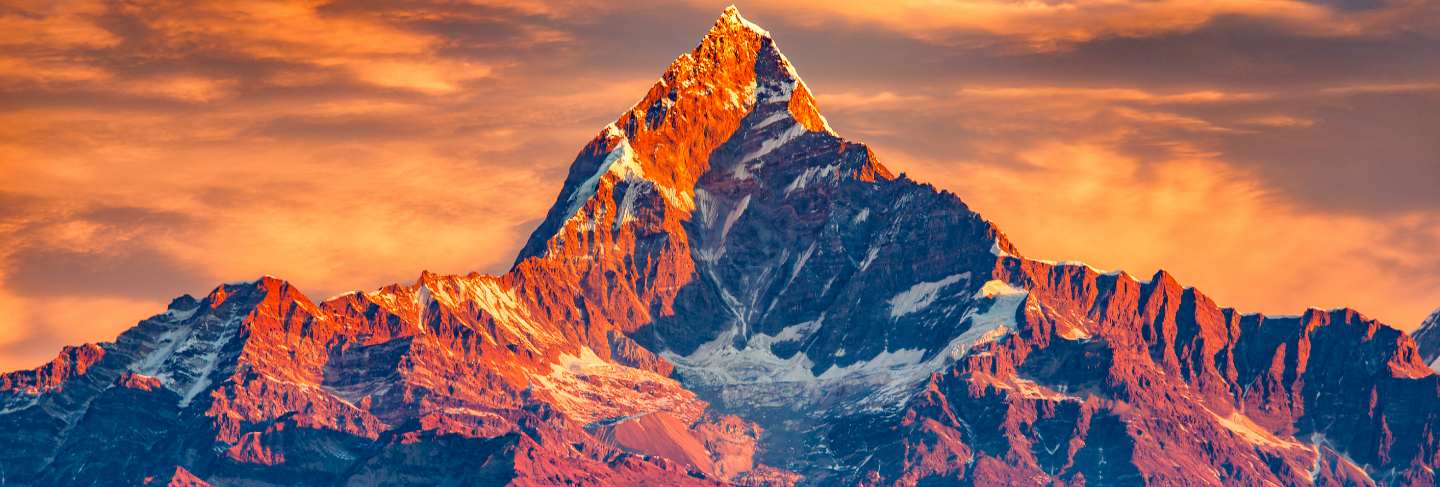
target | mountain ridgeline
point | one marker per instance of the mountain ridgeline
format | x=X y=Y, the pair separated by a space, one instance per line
x=728 y=292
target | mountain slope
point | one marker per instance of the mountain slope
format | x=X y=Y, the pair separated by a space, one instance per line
x=1427 y=336
x=726 y=290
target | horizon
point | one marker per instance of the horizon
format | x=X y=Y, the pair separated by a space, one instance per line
x=355 y=148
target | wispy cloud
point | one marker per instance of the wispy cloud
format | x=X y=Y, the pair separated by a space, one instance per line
x=1110 y=94
x=1047 y=26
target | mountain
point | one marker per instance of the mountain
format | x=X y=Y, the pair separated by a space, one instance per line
x=1427 y=336
x=727 y=291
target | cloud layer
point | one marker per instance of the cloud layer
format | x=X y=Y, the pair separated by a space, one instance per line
x=1276 y=154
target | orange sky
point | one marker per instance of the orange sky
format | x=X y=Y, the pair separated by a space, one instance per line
x=1275 y=154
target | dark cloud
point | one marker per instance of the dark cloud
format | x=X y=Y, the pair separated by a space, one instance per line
x=1365 y=152
x=1353 y=5
x=356 y=128
x=38 y=347
x=120 y=257
x=126 y=271
x=1368 y=154
x=1237 y=54
x=14 y=207
x=136 y=217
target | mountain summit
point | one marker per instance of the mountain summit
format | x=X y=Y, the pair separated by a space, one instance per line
x=668 y=140
x=728 y=292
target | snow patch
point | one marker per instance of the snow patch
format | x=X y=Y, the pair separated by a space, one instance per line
x=887 y=363
x=776 y=91
x=422 y=303
x=995 y=288
x=734 y=13
x=800 y=263
x=181 y=315
x=756 y=371
x=713 y=249
x=719 y=362
x=774 y=117
x=500 y=302
x=870 y=257
x=20 y=403
x=895 y=372
x=799 y=331
x=1246 y=429
x=1076 y=263
x=626 y=212
x=209 y=362
x=811 y=174
x=623 y=164
x=769 y=145
x=734 y=215
x=1073 y=333
x=187 y=354
x=1031 y=390
x=704 y=207
x=1318 y=441
x=588 y=388
x=1063 y=263
x=921 y=295
x=621 y=161
x=741 y=172
x=997 y=251
x=996 y=321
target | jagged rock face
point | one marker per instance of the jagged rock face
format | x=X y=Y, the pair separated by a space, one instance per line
x=727 y=291
x=1427 y=337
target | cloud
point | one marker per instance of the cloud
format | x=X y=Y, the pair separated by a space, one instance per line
x=1279 y=121
x=183 y=88
x=431 y=78
x=330 y=170
x=292 y=42
x=19 y=70
x=137 y=272
x=1047 y=26
x=57 y=25
x=851 y=100
x=351 y=144
x=1382 y=88
x=1107 y=94
x=13 y=328
x=32 y=330
x=95 y=251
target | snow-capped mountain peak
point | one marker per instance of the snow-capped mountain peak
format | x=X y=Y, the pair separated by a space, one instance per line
x=728 y=291
x=1427 y=336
